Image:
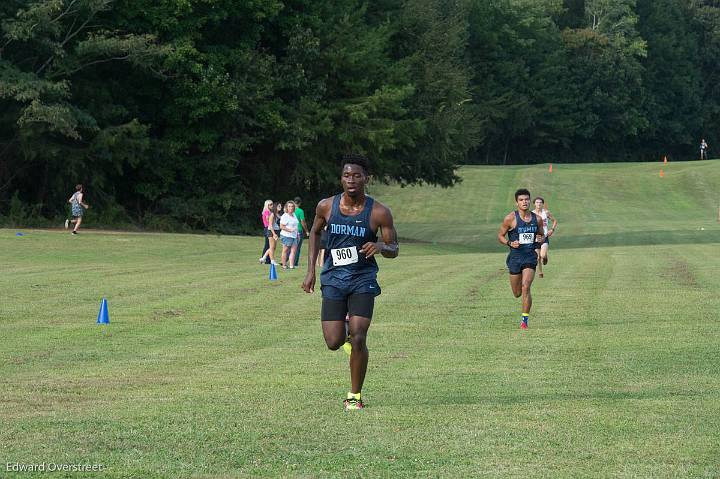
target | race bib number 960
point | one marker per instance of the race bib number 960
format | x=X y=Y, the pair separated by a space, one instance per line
x=344 y=256
x=527 y=238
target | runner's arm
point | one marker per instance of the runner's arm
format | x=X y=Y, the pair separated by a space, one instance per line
x=388 y=247
x=539 y=236
x=314 y=249
x=305 y=228
x=506 y=226
x=551 y=231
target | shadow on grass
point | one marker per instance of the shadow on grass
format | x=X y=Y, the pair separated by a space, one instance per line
x=627 y=238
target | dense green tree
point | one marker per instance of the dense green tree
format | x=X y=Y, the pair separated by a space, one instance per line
x=430 y=44
x=516 y=57
x=551 y=94
x=573 y=14
x=190 y=113
x=54 y=124
x=673 y=78
x=706 y=24
x=187 y=114
x=606 y=62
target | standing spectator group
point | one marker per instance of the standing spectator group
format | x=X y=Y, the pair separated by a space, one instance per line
x=287 y=224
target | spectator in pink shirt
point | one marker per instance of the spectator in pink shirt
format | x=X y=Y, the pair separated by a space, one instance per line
x=269 y=233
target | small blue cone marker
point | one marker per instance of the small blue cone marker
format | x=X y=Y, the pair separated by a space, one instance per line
x=103 y=316
x=273 y=272
x=19 y=234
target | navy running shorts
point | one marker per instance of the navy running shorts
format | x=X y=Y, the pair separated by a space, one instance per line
x=358 y=299
x=356 y=304
x=516 y=263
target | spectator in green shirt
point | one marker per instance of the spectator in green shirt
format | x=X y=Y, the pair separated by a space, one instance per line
x=302 y=229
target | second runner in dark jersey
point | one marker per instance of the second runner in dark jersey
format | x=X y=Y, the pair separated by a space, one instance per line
x=524 y=255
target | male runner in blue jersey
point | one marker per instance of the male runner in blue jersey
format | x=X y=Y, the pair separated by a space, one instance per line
x=349 y=275
x=524 y=235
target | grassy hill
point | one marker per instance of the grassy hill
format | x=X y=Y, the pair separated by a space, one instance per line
x=596 y=205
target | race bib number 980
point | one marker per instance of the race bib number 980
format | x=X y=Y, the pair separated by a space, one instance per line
x=344 y=256
x=527 y=238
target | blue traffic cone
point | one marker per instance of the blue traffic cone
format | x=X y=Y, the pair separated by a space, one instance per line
x=273 y=272
x=103 y=316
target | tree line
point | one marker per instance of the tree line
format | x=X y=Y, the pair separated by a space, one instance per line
x=189 y=113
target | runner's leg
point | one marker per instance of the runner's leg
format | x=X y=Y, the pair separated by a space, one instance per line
x=360 y=355
x=516 y=284
x=538 y=252
x=528 y=274
x=334 y=334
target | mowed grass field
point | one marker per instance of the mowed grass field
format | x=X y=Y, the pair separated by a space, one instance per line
x=208 y=369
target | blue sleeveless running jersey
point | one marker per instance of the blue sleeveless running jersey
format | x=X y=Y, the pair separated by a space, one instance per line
x=343 y=234
x=525 y=233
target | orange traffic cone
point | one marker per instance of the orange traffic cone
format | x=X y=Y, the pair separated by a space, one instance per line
x=662 y=174
x=665 y=160
x=550 y=169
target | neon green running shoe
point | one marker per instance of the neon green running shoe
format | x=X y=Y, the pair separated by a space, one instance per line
x=352 y=404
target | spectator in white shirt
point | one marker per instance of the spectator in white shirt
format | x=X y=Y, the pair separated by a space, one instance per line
x=289 y=235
